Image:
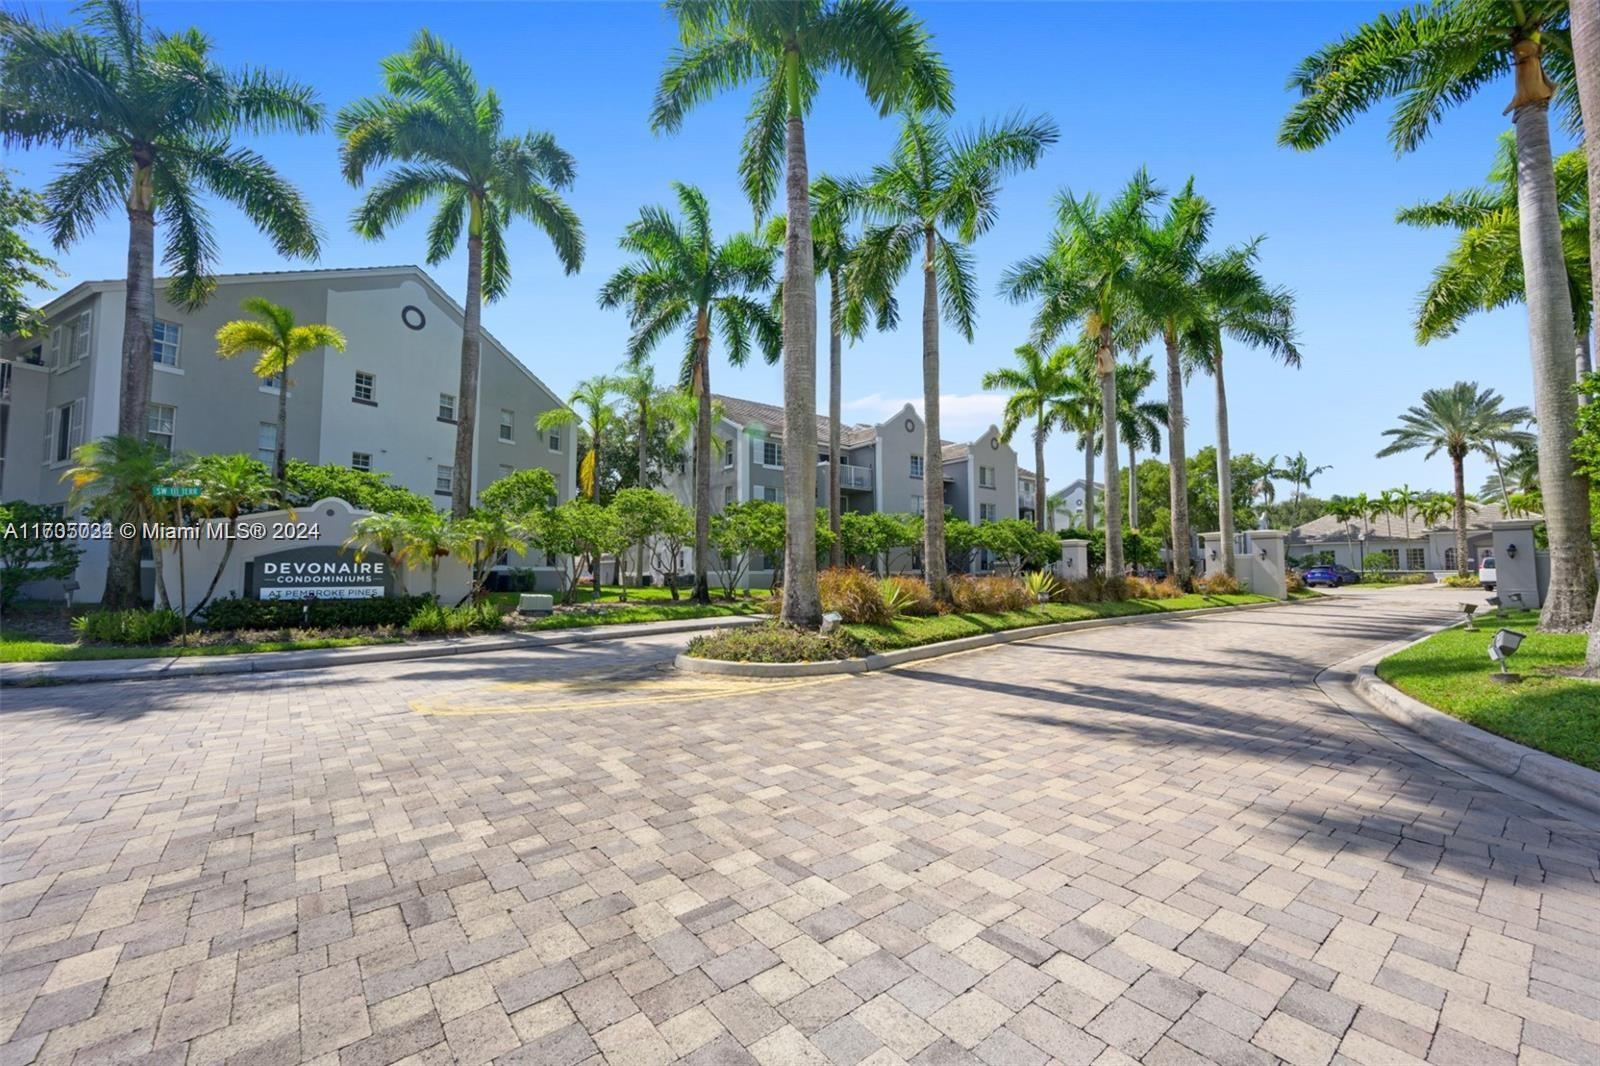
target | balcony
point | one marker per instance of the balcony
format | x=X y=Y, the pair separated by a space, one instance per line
x=857 y=478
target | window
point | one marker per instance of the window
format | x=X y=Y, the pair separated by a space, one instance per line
x=554 y=440
x=165 y=341
x=771 y=453
x=987 y=512
x=1450 y=558
x=507 y=426
x=727 y=495
x=1026 y=487
x=916 y=468
x=505 y=470
x=366 y=388
x=273 y=383
x=77 y=338
x=1416 y=559
x=361 y=461
x=447 y=407
x=727 y=454
x=769 y=493
x=443 y=480
x=63 y=431
x=1393 y=555
x=986 y=477
x=916 y=505
x=267 y=442
x=159 y=420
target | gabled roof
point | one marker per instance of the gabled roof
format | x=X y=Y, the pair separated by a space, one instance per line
x=770 y=418
x=951 y=452
x=1328 y=528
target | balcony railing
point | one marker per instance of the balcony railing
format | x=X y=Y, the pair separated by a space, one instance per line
x=850 y=476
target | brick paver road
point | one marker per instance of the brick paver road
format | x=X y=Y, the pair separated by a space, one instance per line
x=1159 y=843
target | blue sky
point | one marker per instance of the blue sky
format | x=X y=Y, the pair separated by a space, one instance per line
x=1181 y=88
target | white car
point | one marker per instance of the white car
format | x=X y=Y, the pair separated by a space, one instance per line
x=1486 y=573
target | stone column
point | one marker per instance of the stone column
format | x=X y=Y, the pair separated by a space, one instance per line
x=1074 y=563
x=1516 y=564
x=1268 y=576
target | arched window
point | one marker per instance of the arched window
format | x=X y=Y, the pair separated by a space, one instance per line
x=1449 y=558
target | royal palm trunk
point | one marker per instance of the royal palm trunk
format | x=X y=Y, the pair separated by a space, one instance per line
x=802 y=605
x=1569 y=604
x=467 y=395
x=1178 y=466
x=702 y=460
x=1106 y=366
x=1224 y=467
x=1457 y=462
x=1038 y=474
x=933 y=551
x=280 y=459
x=1088 y=483
x=644 y=482
x=835 y=411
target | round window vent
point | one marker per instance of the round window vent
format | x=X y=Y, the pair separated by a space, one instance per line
x=994 y=442
x=413 y=317
x=911 y=425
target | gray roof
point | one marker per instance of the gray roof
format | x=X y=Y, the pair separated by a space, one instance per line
x=1329 y=528
x=770 y=418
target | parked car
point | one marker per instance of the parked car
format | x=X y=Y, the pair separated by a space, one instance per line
x=1486 y=573
x=1347 y=575
x=1322 y=575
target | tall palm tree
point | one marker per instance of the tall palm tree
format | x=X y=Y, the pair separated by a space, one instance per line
x=1433 y=506
x=280 y=344
x=1455 y=421
x=1405 y=501
x=1300 y=473
x=834 y=254
x=1344 y=508
x=786 y=48
x=684 y=278
x=589 y=408
x=446 y=139
x=149 y=118
x=1174 y=251
x=113 y=479
x=1483 y=271
x=1434 y=57
x=1094 y=273
x=1035 y=384
x=1139 y=421
x=1076 y=409
x=635 y=383
x=1389 y=505
x=937 y=193
x=1249 y=310
x=230 y=486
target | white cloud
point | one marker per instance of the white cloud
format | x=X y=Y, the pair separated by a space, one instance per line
x=962 y=416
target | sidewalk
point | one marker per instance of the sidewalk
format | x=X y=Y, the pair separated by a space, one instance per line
x=167 y=667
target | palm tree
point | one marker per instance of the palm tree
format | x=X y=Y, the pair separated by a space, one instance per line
x=149 y=118
x=1483 y=271
x=446 y=138
x=1077 y=410
x=230 y=486
x=386 y=532
x=1035 y=384
x=1433 y=57
x=425 y=537
x=637 y=385
x=683 y=278
x=589 y=408
x=1343 y=509
x=1455 y=421
x=786 y=48
x=1094 y=273
x=113 y=479
x=1248 y=310
x=1300 y=473
x=834 y=253
x=1433 y=506
x=280 y=343
x=935 y=195
x=1405 y=500
x=1174 y=251
x=1139 y=421
x=1389 y=505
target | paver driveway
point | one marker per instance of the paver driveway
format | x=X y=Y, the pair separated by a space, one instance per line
x=1158 y=843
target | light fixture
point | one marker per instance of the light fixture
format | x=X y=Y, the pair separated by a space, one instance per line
x=1502 y=647
x=1494 y=601
x=1468 y=609
x=1511 y=550
x=1213 y=553
x=830 y=622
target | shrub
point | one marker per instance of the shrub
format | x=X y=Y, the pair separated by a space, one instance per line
x=236 y=613
x=1462 y=581
x=907 y=595
x=988 y=595
x=773 y=642
x=128 y=627
x=1295 y=582
x=1142 y=588
x=25 y=556
x=854 y=594
x=1221 y=583
x=1042 y=585
x=432 y=619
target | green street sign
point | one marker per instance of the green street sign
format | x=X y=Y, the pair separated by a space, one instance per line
x=175 y=490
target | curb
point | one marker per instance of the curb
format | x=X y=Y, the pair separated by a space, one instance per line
x=1536 y=769
x=885 y=660
x=160 y=669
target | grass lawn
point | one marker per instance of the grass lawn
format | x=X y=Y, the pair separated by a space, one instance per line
x=1450 y=671
x=909 y=632
x=613 y=594
x=22 y=650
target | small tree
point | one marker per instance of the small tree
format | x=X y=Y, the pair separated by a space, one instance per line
x=479 y=540
x=581 y=531
x=863 y=538
x=25 y=555
x=1018 y=544
x=520 y=494
x=230 y=485
x=383 y=532
x=306 y=483
x=960 y=537
x=742 y=529
x=675 y=532
x=641 y=515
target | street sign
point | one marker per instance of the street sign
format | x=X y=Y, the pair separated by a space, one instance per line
x=175 y=490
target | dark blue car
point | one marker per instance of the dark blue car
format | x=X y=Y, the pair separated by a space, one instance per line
x=1328 y=576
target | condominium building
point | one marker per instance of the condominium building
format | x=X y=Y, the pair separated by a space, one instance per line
x=388 y=403
x=880 y=468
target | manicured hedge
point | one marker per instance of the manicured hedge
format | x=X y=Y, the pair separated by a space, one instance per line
x=235 y=613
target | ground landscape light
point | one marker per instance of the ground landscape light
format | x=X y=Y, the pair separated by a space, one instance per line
x=1468 y=609
x=1502 y=647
